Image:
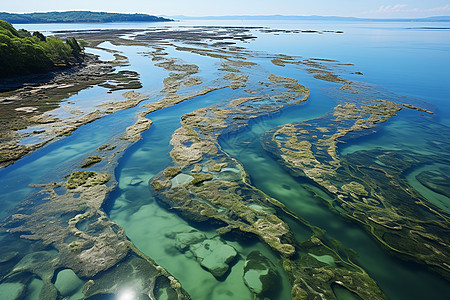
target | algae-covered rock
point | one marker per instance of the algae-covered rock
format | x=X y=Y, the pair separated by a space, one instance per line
x=87 y=179
x=356 y=188
x=214 y=255
x=90 y=161
x=7 y=256
x=171 y=172
x=201 y=177
x=260 y=274
x=160 y=184
x=217 y=167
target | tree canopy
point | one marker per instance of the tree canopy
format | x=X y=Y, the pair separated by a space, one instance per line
x=78 y=17
x=23 y=53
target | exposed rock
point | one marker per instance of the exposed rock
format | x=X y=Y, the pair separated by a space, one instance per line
x=171 y=172
x=217 y=167
x=90 y=161
x=86 y=179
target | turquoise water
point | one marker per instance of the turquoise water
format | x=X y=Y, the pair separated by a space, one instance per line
x=148 y=226
x=408 y=62
x=402 y=281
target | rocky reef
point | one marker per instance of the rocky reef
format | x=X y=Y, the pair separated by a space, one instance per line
x=369 y=186
x=205 y=185
x=29 y=106
x=77 y=249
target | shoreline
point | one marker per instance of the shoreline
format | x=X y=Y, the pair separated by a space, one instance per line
x=28 y=106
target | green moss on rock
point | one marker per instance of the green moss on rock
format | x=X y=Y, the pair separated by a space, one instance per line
x=171 y=172
x=87 y=179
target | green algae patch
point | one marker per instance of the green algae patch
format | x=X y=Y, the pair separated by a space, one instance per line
x=201 y=177
x=87 y=179
x=160 y=184
x=171 y=172
x=217 y=167
x=356 y=188
x=369 y=187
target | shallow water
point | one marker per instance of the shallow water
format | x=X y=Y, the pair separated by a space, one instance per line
x=148 y=225
x=402 y=281
x=384 y=52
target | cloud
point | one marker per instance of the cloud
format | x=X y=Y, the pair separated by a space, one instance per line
x=402 y=8
x=442 y=8
x=392 y=8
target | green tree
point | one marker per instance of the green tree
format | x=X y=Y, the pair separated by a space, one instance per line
x=40 y=36
x=76 y=49
x=22 y=53
x=58 y=52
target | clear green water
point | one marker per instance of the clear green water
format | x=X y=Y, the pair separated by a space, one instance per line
x=399 y=280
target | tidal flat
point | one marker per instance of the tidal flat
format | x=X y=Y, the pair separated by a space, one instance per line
x=193 y=161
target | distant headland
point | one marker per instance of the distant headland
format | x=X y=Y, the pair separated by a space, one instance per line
x=78 y=17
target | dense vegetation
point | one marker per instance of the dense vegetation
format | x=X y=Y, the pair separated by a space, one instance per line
x=77 y=17
x=22 y=52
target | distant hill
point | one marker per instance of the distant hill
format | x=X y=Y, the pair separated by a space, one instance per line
x=312 y=18
x=78 y=17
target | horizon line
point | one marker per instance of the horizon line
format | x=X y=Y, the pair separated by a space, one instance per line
x=231 y=15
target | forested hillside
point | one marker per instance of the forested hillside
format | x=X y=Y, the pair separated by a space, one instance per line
x=78 y=17
x=23 y=52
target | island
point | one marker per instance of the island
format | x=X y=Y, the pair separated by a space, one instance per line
x=78 y=17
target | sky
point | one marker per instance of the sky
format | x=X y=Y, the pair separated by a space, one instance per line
x=345 y=8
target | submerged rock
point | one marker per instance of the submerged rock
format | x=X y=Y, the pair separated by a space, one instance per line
x=184 y=239
x=181 y=179
x=260 y=274
x=68 y=283
x=11 y=290
x=214 y=255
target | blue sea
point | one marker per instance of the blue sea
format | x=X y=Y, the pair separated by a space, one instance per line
x=405 y=60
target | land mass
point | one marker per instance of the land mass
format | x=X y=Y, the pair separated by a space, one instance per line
x=78 y=17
